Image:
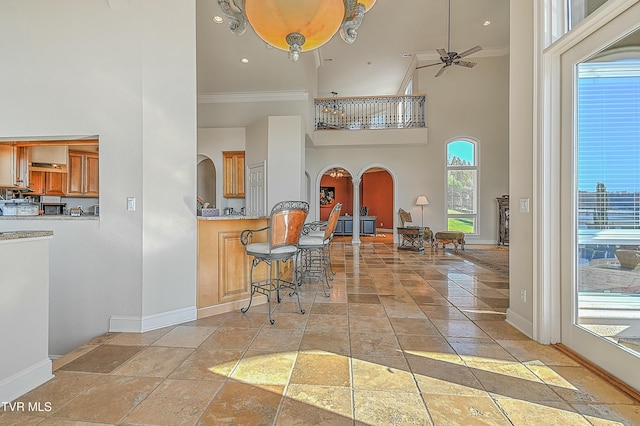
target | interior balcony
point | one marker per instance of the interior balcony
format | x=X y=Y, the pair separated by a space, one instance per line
x=372 y=120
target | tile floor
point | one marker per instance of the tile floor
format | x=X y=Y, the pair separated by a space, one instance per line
x=404 y=338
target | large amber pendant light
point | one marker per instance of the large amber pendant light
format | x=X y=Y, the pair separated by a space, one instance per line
x=297 y=25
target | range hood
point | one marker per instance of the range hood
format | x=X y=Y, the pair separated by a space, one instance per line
x=49 y=158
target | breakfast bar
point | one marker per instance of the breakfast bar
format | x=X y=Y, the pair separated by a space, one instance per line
x=223 y=265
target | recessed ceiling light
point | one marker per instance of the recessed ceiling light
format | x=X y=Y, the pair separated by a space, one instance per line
x=244 y=60
x=486 y=23
x=217 y=19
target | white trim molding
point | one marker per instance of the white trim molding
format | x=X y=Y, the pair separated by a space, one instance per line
x=520 y=322
x=23 y=381
x=133 y=324
x=224 y=98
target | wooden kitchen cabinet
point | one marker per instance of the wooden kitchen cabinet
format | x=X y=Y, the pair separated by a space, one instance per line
x=7 y=165
x=233 y=169
x=48 y=183
x=83 y=174
x=14 y=166
x=36 y=182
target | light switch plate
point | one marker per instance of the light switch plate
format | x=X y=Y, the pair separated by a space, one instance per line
x=131 y=203
x=524 y=205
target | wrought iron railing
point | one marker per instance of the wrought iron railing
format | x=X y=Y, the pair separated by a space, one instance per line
x=372 y=112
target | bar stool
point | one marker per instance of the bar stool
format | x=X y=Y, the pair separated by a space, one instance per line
x=314 y=245
x=285 y=225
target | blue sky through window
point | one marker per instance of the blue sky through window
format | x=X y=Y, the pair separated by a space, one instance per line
x=461 y=149
x=609 y=126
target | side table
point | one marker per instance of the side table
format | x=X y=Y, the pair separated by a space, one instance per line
x=412 y=238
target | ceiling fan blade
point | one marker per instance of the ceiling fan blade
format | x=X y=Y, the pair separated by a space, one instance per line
x=443 y=53
x=469 y=52
x=465 y=64
x=441 y=71
x=428 y=65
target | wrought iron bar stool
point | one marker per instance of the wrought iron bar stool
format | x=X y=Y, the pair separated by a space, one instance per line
x=285 y=226
x=315 y=251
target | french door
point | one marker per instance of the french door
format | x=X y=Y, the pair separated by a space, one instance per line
x=600 y=197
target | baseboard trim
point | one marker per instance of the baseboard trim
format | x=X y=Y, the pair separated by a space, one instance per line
x=633 y=393
x=131 y=324
x=520 y=322
x=223 y=308
x=23 y=381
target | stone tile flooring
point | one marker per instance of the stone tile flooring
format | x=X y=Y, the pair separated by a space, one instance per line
x=404 y=338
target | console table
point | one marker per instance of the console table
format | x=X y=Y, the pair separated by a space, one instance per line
x=345 y=225
x=412 y=238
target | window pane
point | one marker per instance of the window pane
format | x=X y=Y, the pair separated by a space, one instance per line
x=608 y=200
x=461 y=153
x=461 y=191
x=462 y=224
x=608 y=147
x=580 y=9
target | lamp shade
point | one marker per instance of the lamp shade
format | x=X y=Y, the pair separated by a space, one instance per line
x=422 y=201
x=316 y=20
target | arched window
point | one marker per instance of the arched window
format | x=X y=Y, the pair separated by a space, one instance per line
x=462 y=186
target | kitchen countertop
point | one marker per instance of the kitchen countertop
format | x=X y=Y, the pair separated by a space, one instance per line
x=51 y=217
x=231 y=217
x=14 y=235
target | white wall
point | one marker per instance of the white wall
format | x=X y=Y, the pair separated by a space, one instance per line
x=468 y=103
x=211 y=143
x=521 y=158
x=112 y=73
x=285 y=163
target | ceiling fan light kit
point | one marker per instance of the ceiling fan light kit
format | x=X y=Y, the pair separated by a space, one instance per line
x=449 y=57
x=297 y=26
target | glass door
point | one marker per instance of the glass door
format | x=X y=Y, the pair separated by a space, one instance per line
x=601 y=217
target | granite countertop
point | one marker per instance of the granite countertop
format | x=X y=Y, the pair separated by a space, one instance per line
x=51 y=217
x=15 y=235
x=231 y=217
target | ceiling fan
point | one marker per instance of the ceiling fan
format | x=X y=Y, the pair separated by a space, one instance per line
x=448 y=58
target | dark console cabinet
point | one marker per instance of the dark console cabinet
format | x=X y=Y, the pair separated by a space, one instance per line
x=345 y=225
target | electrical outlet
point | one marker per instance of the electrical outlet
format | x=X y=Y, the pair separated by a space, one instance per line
x=381 y=224
x=523 y=295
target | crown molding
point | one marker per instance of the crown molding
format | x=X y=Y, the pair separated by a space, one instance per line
x=484 y=53
x=224 y=98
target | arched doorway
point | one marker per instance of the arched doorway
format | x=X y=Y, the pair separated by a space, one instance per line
x=376 y=198
x=206 y=181
x=368 y=201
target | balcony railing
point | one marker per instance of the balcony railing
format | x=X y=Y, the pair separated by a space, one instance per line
x=372 y=112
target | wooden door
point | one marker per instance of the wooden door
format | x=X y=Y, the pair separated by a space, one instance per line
x=257 y=190
x=74 y=169
x=36 y=182
x=91 y=175
x=55 y=183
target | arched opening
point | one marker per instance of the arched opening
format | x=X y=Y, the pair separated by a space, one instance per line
x=336 y=186
x=376 y=199
x=372 y=195
x=206 y=182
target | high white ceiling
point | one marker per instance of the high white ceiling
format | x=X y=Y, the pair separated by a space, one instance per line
x=375 y=64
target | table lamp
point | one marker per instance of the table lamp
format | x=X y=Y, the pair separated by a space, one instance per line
x=422 y=201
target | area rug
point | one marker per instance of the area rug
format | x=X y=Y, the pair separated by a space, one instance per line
x=494 y=258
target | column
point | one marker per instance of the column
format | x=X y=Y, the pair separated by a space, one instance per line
x=356 y=211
